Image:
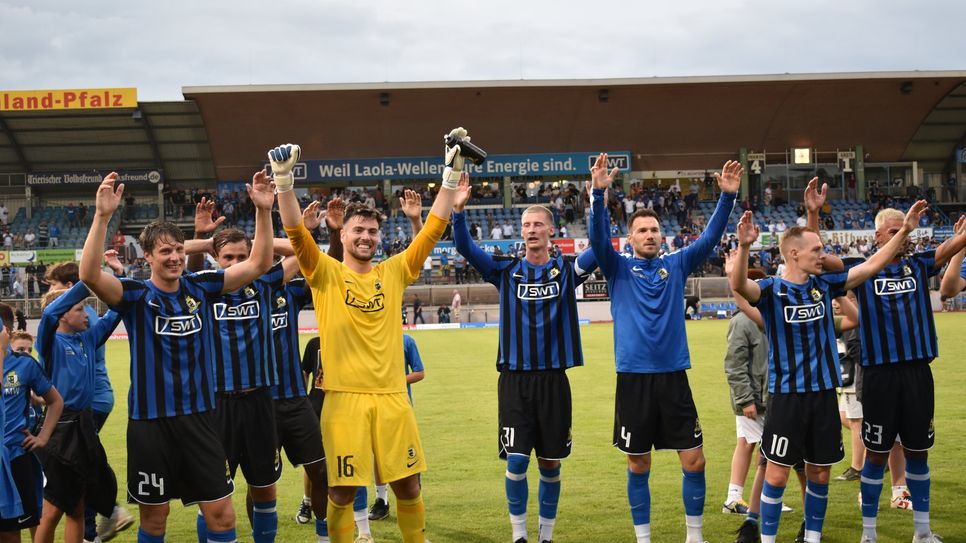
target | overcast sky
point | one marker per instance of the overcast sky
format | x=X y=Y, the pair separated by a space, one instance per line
x=159 y=47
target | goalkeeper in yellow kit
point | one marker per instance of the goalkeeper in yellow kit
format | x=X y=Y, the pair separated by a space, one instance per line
x=366 y=417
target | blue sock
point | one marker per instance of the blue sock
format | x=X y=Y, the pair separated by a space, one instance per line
x=144 y=537
x=917 y=479
x=90 y=524
x=516 y=483
x=549 y=492
x=816 y=503
x=753 y=517
x=226 y=536
x=321 y=528
x=639 y=497
x=771 y=508
x=870 y=485
x=362 y=499
x=264 y=521
x=692 y=491
x=201 y=527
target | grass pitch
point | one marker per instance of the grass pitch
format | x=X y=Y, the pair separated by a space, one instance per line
x=463 y=490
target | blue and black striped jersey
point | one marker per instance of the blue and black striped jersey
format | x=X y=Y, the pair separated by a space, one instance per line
x=895 y=313
x=170 y=372
x=539 y=326
x=241 y=334
x=802 y=353
x=287 y=302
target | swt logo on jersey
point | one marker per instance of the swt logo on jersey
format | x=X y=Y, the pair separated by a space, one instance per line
x=887 y=286
x=376 y=303
x=538 y=291
x=804 y=313
x=177 y=326
x=246 y=311
x=279 y=320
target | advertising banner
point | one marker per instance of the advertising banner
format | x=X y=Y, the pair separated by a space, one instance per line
x=94 y=177
x=51 y=100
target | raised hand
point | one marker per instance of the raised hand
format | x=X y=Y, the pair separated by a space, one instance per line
x=918 y=210
x=729 y=180
x=747 y=230
x=729 y=261
x=204 y=210
x=462 y=193
x=599 y=175
x=814 y=198
x=411 y=204
x=113 y=262
x=960 y=227
x=312 y=216
x=334 y=214
x=283 y=159
x=260 y=191
x=108 y=198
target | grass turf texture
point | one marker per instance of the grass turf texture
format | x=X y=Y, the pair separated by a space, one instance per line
x=463 y=490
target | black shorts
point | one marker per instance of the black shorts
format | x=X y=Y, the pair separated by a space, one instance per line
x=803 y=426
x=176 y=457
x=898 y=401
x=655 y=410
x=534 y=413
x=24 y=469
x=299 y=431
x=317 y=398
x=245 y=422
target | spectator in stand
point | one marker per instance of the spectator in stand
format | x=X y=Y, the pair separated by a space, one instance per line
x=847 y=222
x=801 y=221
x=829 y=223
x=29 y=239
x=129 y=204
x=497 y=232
x=952 y=188
x=71 y=213
x=8 y=240
x=43 y=234
x=563 y=230
x=427 y=268
x=81 y=214
x=54 y=235
x=17 y=288
x=418 y=309
x=118 y=242
x=507 y=230
x=4 y=213
x=456 y=304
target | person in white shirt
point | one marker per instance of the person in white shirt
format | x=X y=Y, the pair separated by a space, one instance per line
x=496 y=233
x=507 y=230
x=455 y=305
x=563 y=231
x=780 y=227
x=801 y=221
x=4 y=213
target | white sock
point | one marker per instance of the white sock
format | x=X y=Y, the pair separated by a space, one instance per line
x=694 y=527
x=546 y=529
x=811 y=536
x=519 y=525
x=323 y=539
x=382 y=492
x=898 y=490
x=306 y=499
x=362 y=521
x=735 y=492
x=920 y=519
x=768 y=538
x=868 y=528
x=643 y=532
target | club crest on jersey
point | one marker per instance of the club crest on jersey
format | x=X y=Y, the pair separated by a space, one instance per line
x=538 y=291
x=889 y=286
x=11 y=383
x=243 y=311
x=662 y=272
x=280 y=302
x=177 y=326
x=906 y=270
x=192 y=303
x=804 y=313
x=378 y=285
x=554 y=272
x=816 y=294
x=376 y=303
x=249 y=292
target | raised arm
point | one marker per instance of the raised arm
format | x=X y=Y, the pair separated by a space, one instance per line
x=747 y=234
x=729 y=181
x=412 y=207
x=886 y=254
x=953 y=282
x=104 y=285
x=478 y=258
x=850 y=313
x=951 y=246
x=283 y=159
x=740 y=302
x=599 y=230
x=204 y=227
x=814 y=199
x=334 y=215
x=260 y=260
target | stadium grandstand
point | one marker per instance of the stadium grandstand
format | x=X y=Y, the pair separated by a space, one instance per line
x=877 y=139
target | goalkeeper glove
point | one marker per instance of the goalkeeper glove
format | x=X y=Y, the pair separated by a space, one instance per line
x=452 y=158
x=283 y=159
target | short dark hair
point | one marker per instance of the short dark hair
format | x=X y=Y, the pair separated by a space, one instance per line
x=65 y=272
x=6 y=316
x=229 y=235
x=364 y=211
x=158 y=231
x=642 y=213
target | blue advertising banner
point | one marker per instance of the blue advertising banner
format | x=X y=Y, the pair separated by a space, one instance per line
x=314 y=171
x=94 y=177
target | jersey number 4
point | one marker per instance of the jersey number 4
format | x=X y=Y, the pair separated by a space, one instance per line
x=626 y=436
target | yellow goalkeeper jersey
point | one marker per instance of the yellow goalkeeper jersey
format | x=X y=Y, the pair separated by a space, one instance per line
x=360 y=314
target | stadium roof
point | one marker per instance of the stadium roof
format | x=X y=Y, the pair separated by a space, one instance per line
x=156 y=135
